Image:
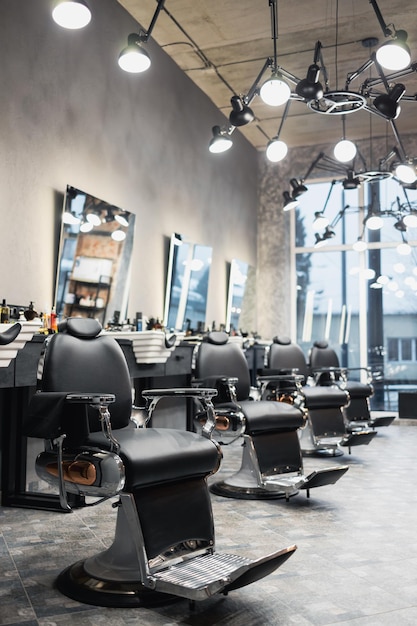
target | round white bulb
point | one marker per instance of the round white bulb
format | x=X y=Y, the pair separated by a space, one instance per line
x=410 y=220
x=275 y=91
x=399 y=293
x=406 y=173
x=122 y=220
x=86 y=227
x=399 y=268
x=360 y=246
x=393 y=56
x=382 y=280
x=134 y=60
x=404 y=249
x=320 y=222
x=118 y=235
x=344 y=150
x=376 y=286
x=369 y=274
x=94 y=219
x=220 y=144
x=71 y=15
x=276 y=150
x=70 y=218
x=375 y=222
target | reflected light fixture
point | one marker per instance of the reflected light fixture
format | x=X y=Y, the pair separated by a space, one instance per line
x=221 y=140
x=134 y=58
x=71 y=14
x=69 y=217
x=118 y=235
x=387 y=103
x=410 y=220
x=374 y=222
x=289 y=201
x=86 y=227
x=121 y=219
x=320 y=221
x=360 y=245
x=309 y=87
x=93 y=218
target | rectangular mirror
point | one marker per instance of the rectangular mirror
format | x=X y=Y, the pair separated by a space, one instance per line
x=94 y=259
x=187 y=285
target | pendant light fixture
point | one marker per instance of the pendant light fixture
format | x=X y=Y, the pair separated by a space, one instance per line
x=71 y=14
x=275 y=91
x=394 y=54
x=277 y=149
x=221 y=140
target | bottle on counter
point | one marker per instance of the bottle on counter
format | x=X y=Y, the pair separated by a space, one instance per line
x=5 y=313
x=53 y=322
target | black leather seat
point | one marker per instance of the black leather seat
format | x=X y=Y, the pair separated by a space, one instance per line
x=271 y=464
x=164 y=541
x=326 y=371
x=327 y=430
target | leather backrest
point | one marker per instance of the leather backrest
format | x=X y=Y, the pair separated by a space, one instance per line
x=217 y=357
x=89 y=363
x=284 y=354
x=322 y=355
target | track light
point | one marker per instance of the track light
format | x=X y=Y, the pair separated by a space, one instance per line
x=221 y=141
x=241 y=113
x=351 y=181
x=395 y=54
x=289 y=201
x=71 y=14
x=275 y=91
x=134 y=58
x=309 y=88
x=387 y=104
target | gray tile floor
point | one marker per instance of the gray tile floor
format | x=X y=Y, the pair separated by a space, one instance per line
x=356 y=561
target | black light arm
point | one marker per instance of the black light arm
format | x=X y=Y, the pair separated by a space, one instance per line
x=387 y=31
x=144 y=35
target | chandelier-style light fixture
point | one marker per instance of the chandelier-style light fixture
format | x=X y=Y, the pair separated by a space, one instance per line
x=392 y=55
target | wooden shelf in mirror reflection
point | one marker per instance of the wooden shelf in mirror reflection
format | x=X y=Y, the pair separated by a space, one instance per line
x=87 y=297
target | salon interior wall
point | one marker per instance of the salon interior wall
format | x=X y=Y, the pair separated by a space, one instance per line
x=274 y=294
x=69 y=115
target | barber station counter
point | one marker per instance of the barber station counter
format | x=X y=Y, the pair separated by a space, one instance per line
x=148 y=369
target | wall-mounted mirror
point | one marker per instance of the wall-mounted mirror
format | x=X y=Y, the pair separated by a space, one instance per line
x=187 y=284
x=241 y=298
x=94 y=259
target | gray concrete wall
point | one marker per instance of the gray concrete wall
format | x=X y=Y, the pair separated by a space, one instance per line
x=69 y=115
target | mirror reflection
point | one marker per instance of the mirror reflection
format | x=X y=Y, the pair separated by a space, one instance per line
x=241 y=302
x=187 y=285
x=94 y=260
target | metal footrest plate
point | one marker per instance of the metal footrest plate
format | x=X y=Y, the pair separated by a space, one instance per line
x=202 y=577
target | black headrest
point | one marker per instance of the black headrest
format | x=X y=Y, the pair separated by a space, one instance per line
x=321 y=344
x=218 y=337
x=284 y=341
x=84 y=327
x=10 y=334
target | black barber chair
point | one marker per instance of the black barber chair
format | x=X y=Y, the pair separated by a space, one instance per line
x=326 y=371
x=271 y=465
x=327 y=429
x=163 y=548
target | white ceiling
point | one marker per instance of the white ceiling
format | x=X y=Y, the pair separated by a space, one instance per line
x=223 y=44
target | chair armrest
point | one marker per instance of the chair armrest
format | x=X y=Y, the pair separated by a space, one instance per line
x=44 y=418
x=225 y=386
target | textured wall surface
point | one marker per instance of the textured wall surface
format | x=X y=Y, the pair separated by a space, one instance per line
x=140 y=142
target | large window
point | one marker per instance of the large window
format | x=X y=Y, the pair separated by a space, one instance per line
x=364 y=303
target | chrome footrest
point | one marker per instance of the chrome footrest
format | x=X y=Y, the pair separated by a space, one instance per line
x=202 y=577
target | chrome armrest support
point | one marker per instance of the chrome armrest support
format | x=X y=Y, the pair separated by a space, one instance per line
x=202 y=394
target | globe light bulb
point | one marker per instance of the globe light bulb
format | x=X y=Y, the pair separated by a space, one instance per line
x=275 y=91
x=276 y=150
x=344 y=150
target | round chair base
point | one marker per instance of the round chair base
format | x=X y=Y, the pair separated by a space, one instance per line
x=78 y=585
x=323 y=452
x=222 y=488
